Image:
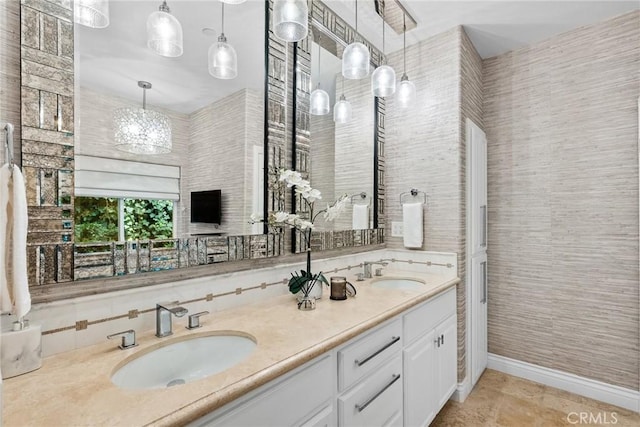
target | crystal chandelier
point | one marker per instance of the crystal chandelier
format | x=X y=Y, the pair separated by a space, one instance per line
x=355 y=58
x=91 y=13
x=164 y=32
x=383 y=79
x=142 y=131
x=406 y=94
x=290 y=19
x=222 y=58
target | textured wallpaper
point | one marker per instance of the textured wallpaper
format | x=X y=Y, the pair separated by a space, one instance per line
x=425 y=147
x=561 y=119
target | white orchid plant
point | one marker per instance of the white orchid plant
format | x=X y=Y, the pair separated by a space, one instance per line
x=305 y=280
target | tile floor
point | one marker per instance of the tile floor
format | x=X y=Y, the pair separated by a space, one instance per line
x=503 y=400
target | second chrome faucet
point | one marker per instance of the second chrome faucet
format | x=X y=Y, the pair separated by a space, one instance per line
x=164 y=311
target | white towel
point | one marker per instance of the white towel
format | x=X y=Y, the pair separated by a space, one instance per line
x=14 y=284
x=360 y=220
x=412 y=224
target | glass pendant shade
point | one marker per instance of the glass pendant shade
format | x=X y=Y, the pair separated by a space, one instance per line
x=383 y=81
x=91 y=13
x=164 y=33
x=142 y=131
x=319 y=103
x=342 y=111
x=406 y=93
x=223 y=61
x=290 y=19
x=355 y=61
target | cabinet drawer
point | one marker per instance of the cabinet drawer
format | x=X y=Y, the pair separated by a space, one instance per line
x=364 y=355
x=424 y=318
x=375 y=401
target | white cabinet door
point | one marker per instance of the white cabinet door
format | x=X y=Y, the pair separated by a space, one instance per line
x=447 y=359
x=420 y=381
x=477 y=149
x=479 y=349
x=324 y=418
x=287 y=401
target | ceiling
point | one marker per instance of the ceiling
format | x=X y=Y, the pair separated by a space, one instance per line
x=115 y=58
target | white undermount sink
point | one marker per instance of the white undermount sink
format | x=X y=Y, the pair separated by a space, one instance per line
x=398 y=283
x=184 y=360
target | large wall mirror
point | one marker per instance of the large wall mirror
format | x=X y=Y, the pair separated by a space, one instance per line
x=96 y=211
x=339 y=157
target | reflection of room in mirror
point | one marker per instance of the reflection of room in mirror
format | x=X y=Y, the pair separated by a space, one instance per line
x=217 y=126
x=213 y=147
x=342 y=154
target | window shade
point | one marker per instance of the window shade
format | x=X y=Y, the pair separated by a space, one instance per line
x=102 y=177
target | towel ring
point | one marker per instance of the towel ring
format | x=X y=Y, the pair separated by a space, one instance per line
x=362 y=196
x=414 y=193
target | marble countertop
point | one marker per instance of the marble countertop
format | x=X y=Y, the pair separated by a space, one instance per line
x=74 y=388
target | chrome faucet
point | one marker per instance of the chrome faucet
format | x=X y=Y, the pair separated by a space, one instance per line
x=367 y=267
x=164 y=310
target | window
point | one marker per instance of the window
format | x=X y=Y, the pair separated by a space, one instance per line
x=100 y=219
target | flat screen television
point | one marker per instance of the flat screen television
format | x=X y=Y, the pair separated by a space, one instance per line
x=206 y=206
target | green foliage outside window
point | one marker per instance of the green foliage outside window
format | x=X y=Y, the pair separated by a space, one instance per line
x=96 y=219
x=148 y=219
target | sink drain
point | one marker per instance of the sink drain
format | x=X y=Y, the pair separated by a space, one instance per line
x=177 y=381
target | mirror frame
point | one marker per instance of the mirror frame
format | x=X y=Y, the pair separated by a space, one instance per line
x=47 y=151
x=47 y=158
x=327 y=22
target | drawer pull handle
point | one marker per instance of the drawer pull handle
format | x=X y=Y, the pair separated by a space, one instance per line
x=362 y=407
x=377 y=352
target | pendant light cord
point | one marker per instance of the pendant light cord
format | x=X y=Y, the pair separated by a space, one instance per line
x=356 y=17
x=319 y=47
x=404 y=40
x=222 y=33
x=144 y=98
x=383 y=31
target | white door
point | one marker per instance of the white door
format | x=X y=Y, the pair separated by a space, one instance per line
x=477 y=148
x=479 y=350
x=447 y=355
x=476 y=250
x=420 y=381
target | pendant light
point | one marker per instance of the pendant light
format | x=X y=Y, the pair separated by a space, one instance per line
x=164 y=32
x=383 y=79
x=290 y=20
x=319 y=100
x=223 y=61
x=142 y=131
x=91 y=13
x=342 y=109
x=356 y=57
x=406 y=94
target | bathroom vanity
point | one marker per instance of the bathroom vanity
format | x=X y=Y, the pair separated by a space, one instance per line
x=384 y=356
x=402 y=370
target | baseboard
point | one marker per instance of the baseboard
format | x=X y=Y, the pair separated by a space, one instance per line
x=462 y=390
x=614 y=395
